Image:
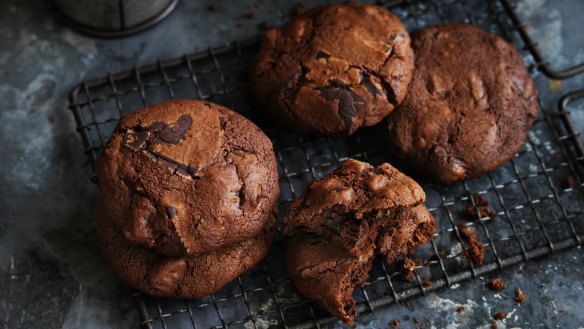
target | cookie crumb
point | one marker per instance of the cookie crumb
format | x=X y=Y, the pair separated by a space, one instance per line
x=407 y=269
x=499 y=316
x=415 y=319
x=494 y=325
x=212 y=8
x=519 y=296
x=394 y=323
x=497 y=284
x=460 y=309
x=568 y=183
x=480 y=201
x=475 y=252
x=480 y=212
x=467 y=230
x=427 y=283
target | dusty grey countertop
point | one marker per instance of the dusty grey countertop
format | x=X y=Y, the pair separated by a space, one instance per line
x=52 y=274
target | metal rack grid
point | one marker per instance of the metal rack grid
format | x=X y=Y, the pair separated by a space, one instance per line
x=535 y=214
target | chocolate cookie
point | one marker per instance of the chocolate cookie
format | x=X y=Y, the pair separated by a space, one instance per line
x=188 y=177
x=333 y=69
x=469 y=107
x=326 y=272
x=357 y=210
x=183 y=276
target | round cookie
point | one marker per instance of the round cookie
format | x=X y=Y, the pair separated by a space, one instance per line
x=469 y=107
x=333 y=69
x=182 y=276
x=188 y=177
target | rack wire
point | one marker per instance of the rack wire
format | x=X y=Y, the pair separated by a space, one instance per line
x=535 y=212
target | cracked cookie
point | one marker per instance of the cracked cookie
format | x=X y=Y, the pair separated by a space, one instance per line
x=188 y=177
x=342 y=220
x=333 y=69
x=470 y=104
x=190 y=276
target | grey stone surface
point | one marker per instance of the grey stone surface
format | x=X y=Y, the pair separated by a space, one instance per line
x=52 y=274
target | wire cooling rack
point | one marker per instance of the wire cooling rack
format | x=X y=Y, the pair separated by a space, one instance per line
x=537 y=198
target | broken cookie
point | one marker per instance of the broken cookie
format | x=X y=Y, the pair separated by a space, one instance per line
x=357 y=211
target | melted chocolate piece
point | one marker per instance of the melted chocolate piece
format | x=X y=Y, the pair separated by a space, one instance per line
x=171 y=212
x=369 y=84
x=350 y=104
x=161 y=133
x=136 y=139
x=173 y=134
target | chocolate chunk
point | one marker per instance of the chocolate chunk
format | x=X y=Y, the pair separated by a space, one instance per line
x=181 y=171
x=350 y=104
x=321 y=55
x=175 y=133
x=136 y=139
x=192 y=170
x=170 y=212
x=369 y=85
x=156 y=126
x=169 y=164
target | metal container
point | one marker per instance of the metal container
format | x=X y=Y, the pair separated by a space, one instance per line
x=112 y=18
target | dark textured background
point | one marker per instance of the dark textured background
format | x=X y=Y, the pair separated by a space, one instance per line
x=52 y=274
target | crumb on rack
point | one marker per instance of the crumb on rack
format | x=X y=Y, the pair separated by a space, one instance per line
x=568 y=183
x=407 y=269
x=475 y=252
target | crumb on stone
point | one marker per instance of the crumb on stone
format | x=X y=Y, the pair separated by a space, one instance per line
x=519 y=296
x=394 y=323
x=494 y=325
x=415 y=319
x=499 y=316
x=460 y=309
x=497 y=284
